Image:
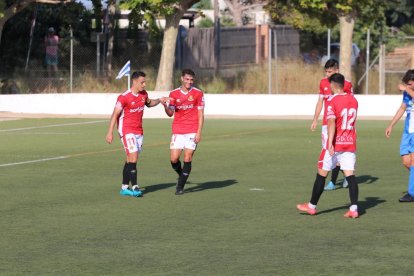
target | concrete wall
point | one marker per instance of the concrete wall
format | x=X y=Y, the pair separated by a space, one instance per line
x=216 y=104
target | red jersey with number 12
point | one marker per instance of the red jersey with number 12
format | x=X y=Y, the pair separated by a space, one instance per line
x=325 y=92
x=343 y=108
x=186 y=106
x=130 y=120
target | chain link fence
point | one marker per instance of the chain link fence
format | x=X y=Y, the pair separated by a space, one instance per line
x=234 y=60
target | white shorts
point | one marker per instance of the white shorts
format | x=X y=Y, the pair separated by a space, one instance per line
x=183 y=141
x=324 y=137
x=132 y=142
x=346 y=160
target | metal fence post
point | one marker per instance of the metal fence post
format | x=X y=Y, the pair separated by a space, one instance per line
x=98 y=53
x=269 y=58
x=382 y=70
x=329 y=44
x=71 y=61
x=276 y=60
x=367 y=62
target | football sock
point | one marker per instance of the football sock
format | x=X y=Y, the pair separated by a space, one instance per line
x=353 y=189
x=184 y=176
x=411 y=182
x=334 y=174
x=317 y=189
x=124 y=186
x=132 y=168
x=125 y=175
x=353 y=208
x=177 y=167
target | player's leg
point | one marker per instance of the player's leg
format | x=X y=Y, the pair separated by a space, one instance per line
x=189 y=148
x=325 y=164
x=132 y=144
x=324 y=135
x=335 y=173
x=347 y=161
x=176 y=147
x=409 y=197
x=407 y=156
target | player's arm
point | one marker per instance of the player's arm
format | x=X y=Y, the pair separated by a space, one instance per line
x=331 y=134
x=200 y=125
x=406 y=88
x=397 y=117
x=318 y=109
x=154 y=102
x=115 y=114
x=169 y=110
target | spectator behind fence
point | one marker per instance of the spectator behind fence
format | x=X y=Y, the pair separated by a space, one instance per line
x=51 y=45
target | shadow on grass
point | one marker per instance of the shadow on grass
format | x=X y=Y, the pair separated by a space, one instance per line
x=364 y=205
x=209 y=185
x=361 y=179
x=192 y=187
x=158 y=187
x=366 y=179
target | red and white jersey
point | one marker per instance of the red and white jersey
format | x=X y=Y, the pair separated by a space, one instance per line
x=325 y=92
x=130 y=120
x=186 y=106
x=343 y=108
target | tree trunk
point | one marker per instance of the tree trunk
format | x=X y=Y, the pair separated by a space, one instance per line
x=165 y=71
x=109 y=52
x=2 y=22
x=235 y=8
x=346 y=24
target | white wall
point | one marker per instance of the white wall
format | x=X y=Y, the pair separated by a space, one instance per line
x=216 y=104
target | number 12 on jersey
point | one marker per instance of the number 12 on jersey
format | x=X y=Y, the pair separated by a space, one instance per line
x=348 y=118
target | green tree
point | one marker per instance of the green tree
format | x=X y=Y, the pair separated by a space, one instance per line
x=172 y=11
x=329 y=12
x=9 y=8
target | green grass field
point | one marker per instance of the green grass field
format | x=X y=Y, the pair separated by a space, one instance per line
x=65 y=217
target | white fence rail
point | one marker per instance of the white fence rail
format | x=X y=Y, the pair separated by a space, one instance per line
x=216 y=104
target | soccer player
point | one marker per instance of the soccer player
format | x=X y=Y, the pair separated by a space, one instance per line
x=407 y=142
x=127 y=114
x=342 y=111
x=331 y=67
x=187 y=105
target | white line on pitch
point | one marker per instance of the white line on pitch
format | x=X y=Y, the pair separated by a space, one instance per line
x=41 y=133
x=256 y=189
x=56 y=125
x=33 y=161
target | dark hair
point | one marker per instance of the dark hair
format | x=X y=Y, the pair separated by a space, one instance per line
x=331 y=63
x=338 y=79
x=137 y=74
x=409 y=76
x=187 y=72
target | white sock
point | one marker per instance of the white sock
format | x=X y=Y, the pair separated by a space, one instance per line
x=135 y=187
x=353 y=208
x=310 y=205
x=124 y=186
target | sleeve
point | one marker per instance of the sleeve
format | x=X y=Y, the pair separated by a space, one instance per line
x=146 y=97
x=348 y=88
x=406 y=98
x=321 y=87
x=120 y=102
x=200 y=101
x=330 y=111
x=171 y=103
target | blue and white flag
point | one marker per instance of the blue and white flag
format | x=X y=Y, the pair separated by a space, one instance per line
x=125 y=71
